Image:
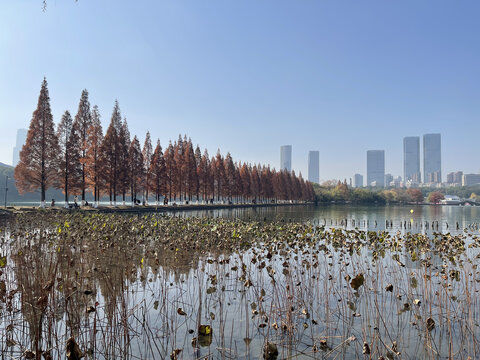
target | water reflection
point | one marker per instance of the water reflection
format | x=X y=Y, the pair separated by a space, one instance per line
x=145 y=287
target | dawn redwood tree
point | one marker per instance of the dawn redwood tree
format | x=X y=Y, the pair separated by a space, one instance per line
x=229 y=176
x=82 y=122
x=203 y=171
x=135 y=167
x=109 y=154
x=180 y=167
x=219 y=169
x=245 y=177
x=124 y=171
x=198 y=161
x=93 y=163
x=190 y=165
x=170 y=170
x=157 y=173
x=147 y=159
x=70 y=166
x=39 y=158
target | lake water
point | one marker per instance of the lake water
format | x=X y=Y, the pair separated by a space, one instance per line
x=140 y=286
x=365 y=217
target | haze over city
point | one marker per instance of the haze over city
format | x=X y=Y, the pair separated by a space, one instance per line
x=248 y=77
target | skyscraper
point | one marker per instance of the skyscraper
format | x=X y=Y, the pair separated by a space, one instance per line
x=21 y=138
x=314 y=166
x=286 y=157
x=411 y=159
x=376 y=168
x=357 y=180
x=432 y=158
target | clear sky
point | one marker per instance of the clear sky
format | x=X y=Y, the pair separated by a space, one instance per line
x=341 y=77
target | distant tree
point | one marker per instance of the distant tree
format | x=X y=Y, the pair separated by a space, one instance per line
x=435 y=197
x=93 y=164
x=245 y=177
x=219 y=174
x=70 y=166
x=135 y=167
x=157 y=173
x=170 y=169
x=190 y=165
x=82 y=122
x=123 y=170
x=203 y=171
x=110 y=154
x=229 y=176
x=39 y=158
x=416 y=195
x=147 y=153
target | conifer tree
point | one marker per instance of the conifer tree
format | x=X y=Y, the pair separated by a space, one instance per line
x=204 y=175
x=157 y=173
x=124 y=171
x=39 y=158
x=229 y=176
x=93 y=164
x=82 y=122
x=109 y=152
x=70 y=166
x=135 y=168
x=170 y=170
x=147 y=159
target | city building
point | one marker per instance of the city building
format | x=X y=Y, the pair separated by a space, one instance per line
x=286 y=157
x=21 y=138
x=376 y=168
x=397 y=182
x=455 y=178
x=357 y=180
x=470 y=179
x=314 y=166
x=432 y=158
x=388 y=179
x=411 y=159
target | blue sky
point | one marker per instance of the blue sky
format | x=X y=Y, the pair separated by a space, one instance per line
x=341 y=77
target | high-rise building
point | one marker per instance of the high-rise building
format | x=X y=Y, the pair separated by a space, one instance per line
x=388 y=179
x=376 y=168
x=357 y=180
x=314 y=166
x=21 y=138
x=286 y=157
x=411 y=159
x=470 y=179
x=455 y=178
x=432 y=158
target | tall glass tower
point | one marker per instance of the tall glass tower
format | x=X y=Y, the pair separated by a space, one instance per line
x=314 y=166
x=411 y=159
x=286 y=157
x=21 y=138
x=376 y=168
x=432 y=158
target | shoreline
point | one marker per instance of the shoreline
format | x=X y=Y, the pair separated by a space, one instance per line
x=144 y=209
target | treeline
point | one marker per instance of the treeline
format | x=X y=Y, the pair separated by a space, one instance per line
x=78 y=157
x=342 y=193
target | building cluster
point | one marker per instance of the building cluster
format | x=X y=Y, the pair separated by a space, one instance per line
x=414 y=175
x=313 y=162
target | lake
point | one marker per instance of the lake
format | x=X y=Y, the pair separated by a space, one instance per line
x=273 y=282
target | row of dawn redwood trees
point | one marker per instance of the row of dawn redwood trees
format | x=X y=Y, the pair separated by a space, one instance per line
x=78 y=158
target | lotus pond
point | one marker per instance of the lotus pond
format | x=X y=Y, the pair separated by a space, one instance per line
x=107 y=286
